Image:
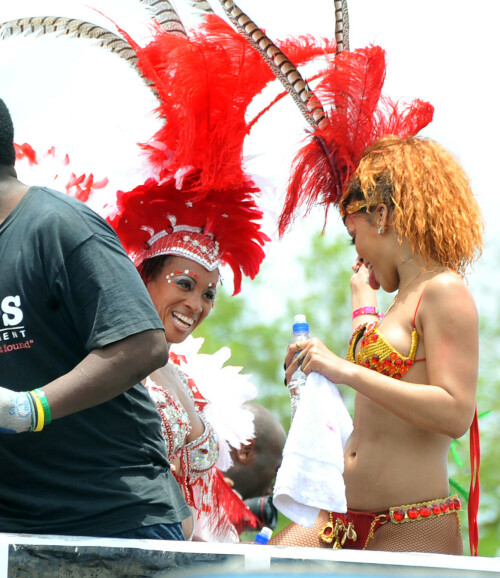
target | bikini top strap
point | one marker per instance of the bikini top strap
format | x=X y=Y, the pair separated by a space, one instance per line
x=418 y=305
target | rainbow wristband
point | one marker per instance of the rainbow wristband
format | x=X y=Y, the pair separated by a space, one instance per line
x=40 y=421
x=40 y=395
x=367 y=311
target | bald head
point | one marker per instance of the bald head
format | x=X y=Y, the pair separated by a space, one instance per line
x=256 y=463
x=269 y=433
x=7 y=152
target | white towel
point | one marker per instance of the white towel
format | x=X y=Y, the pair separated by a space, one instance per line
x=310 y=478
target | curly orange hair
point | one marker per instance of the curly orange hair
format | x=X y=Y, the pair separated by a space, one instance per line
x=433 y=206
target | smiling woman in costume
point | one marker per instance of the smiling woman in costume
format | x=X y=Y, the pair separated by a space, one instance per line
x=196 y=213
x=179 y=264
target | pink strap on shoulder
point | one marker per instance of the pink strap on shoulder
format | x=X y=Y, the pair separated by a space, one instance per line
x=418 y=305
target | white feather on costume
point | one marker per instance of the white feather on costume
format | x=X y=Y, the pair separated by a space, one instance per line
x=226 y=389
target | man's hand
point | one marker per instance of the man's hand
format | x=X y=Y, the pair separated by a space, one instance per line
x=16 y=411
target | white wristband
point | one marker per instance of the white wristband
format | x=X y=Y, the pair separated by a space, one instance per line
x=16 y=411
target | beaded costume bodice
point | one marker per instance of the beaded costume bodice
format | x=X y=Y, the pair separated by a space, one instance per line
x=175 y=426
x=377 y=353
x=200 y=454
x=217 y=510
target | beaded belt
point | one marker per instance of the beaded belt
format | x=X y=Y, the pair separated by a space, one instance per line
x=355 y=529
x=424 y=510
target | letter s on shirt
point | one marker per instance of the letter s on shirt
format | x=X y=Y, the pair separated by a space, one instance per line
x=12 y=314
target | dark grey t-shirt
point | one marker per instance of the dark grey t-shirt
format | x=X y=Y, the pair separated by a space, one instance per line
x=66 y=288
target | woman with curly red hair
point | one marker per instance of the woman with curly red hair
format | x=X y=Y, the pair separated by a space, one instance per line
x=409 y=209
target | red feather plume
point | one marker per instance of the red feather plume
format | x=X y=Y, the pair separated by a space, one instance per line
x=204 y=83
x=357 y=115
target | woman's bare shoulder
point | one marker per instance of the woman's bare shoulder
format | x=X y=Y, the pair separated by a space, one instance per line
x=448 y=292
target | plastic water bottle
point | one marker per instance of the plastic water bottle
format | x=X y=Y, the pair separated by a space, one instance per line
x=263 y=536
x=298 y=380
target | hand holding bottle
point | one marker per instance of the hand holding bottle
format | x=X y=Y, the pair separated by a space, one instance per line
x=298 y=379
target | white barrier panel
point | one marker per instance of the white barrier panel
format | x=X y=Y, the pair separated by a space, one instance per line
x=29 y=556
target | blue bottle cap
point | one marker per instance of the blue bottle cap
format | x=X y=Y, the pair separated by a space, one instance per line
x=263 y=536
x=300 y=324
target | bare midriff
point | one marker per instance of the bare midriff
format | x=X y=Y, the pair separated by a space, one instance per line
x=390 y=462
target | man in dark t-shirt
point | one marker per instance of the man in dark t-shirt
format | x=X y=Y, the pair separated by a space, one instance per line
x=77 y=334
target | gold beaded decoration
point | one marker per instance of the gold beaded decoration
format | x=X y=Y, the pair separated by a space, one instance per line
x=378 y=354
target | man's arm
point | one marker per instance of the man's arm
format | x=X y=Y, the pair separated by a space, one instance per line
x=107 y=372
x=102 y=375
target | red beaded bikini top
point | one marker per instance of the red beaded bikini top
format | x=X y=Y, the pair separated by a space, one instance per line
x=378 y=354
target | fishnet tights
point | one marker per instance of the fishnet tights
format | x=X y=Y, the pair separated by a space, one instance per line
x=295 y=535
x=439 y=535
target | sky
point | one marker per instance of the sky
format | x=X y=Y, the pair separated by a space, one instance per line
x=90 y=104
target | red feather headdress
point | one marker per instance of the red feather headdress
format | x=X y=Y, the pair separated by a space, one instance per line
x=356 y=115
x=347 y=112
x=199 y=203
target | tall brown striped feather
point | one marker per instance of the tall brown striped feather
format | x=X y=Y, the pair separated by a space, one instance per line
x=341 y=25
x=165 y=15
x=285 y=71
x=201 y=5
x=73 y=27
